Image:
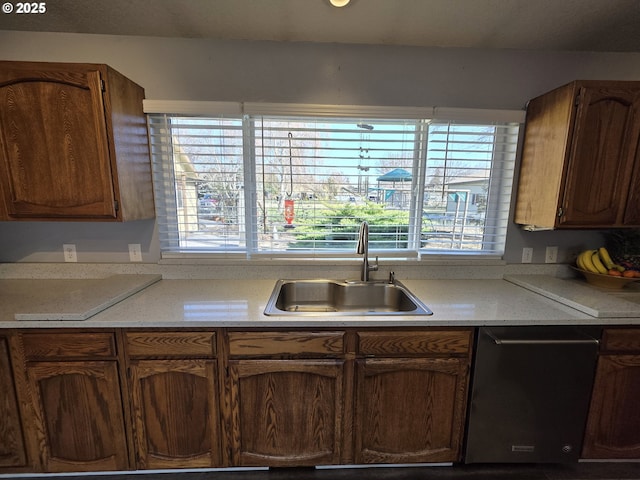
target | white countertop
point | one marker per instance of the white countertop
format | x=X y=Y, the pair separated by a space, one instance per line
x=144 y=300
x=68 y=299
x=576 y=293
x=241 y=303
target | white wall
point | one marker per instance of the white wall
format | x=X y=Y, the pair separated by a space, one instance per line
x=197 y=69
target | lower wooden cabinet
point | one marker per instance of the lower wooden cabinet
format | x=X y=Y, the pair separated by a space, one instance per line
x=98 y=400
x=80 y=413
x=174 y=399
x=155 y=399
x=286 y=398
x=286 y=412
x=613 y=426
x=410 y=409
x=388 y=396
x=12 y=447
x=411 y=395
x=74 y=385
x=175 y=411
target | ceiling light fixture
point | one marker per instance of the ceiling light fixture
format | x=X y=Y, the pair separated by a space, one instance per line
x=339 y=3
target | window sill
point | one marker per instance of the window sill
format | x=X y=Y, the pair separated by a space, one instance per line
x=241 y=260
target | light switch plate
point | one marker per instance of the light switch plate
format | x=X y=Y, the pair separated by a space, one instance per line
x=527 y=255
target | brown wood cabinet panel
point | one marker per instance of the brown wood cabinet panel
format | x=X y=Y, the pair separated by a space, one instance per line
x=48 y=346
x=410 y=409
x=12 y=447
x=36 y=114
x=547 y=132
x=602 y=155
x=621 y=340
x=129 y=147
x=286 y=412
x=613 y=425
x=79 y=415
x=452 y=342
x=299 y=343
x=73 y=143
x=579 y=165
x=217 y=398
x=171 y=344
x=176 y=413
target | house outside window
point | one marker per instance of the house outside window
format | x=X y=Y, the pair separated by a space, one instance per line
x=300 y=183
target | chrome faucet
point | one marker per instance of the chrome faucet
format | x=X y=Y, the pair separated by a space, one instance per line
x=363 y=249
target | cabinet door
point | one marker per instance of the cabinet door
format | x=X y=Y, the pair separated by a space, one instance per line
x=409 y=409
x=80 y=419
x=54 y=154
x=632 y=209
x=286 y=412
x=613 y=426
x=175 y=411
x=12 y=451
x=603 y=148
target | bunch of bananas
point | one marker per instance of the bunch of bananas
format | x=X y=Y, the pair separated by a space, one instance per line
x=599 y=261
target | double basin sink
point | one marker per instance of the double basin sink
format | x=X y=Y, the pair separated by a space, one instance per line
x=321 y=297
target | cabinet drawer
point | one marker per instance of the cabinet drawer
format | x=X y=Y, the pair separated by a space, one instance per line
x=621 y=340
x=451 y=342
x=40 y=346
x=171 y=344
x=252 y=344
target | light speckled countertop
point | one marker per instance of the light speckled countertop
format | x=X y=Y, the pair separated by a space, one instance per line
x=66 y=300
x=576 y=293
x=240 y=303
x=152 y=295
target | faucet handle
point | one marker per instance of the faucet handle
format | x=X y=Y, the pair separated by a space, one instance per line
x=374 y=267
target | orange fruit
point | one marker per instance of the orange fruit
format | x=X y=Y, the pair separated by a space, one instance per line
x=615 y=273
x=629 y=274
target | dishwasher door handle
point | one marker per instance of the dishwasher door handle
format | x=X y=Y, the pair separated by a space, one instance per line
x=540 y=341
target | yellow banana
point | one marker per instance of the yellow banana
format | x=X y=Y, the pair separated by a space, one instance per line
x=580 y=261
x=606 y=258
x=587 y=260
x=595 y=259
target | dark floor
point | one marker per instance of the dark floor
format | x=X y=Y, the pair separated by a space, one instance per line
x=580 y=471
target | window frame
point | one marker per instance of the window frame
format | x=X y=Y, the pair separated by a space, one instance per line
x=244 y=110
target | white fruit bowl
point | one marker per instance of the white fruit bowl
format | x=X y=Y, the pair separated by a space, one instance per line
x=605 y=281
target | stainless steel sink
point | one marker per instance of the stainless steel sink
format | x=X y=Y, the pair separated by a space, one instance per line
x=335 y=298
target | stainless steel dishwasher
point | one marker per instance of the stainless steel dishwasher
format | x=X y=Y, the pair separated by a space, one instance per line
x=530 y=394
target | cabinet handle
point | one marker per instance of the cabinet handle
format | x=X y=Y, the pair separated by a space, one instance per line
x=541 y=341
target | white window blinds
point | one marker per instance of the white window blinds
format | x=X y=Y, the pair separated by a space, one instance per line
x=292 y=184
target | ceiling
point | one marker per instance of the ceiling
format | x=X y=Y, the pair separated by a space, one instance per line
x=569 y=25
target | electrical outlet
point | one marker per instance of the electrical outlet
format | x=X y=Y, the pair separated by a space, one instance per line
x=135 y=252
x=69 y=250
x=527 y=255
x=551 y=255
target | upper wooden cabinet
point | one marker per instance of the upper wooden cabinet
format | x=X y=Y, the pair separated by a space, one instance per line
x=73 y=144
x=579 y=161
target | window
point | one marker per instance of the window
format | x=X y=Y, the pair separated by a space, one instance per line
x=296 y=183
